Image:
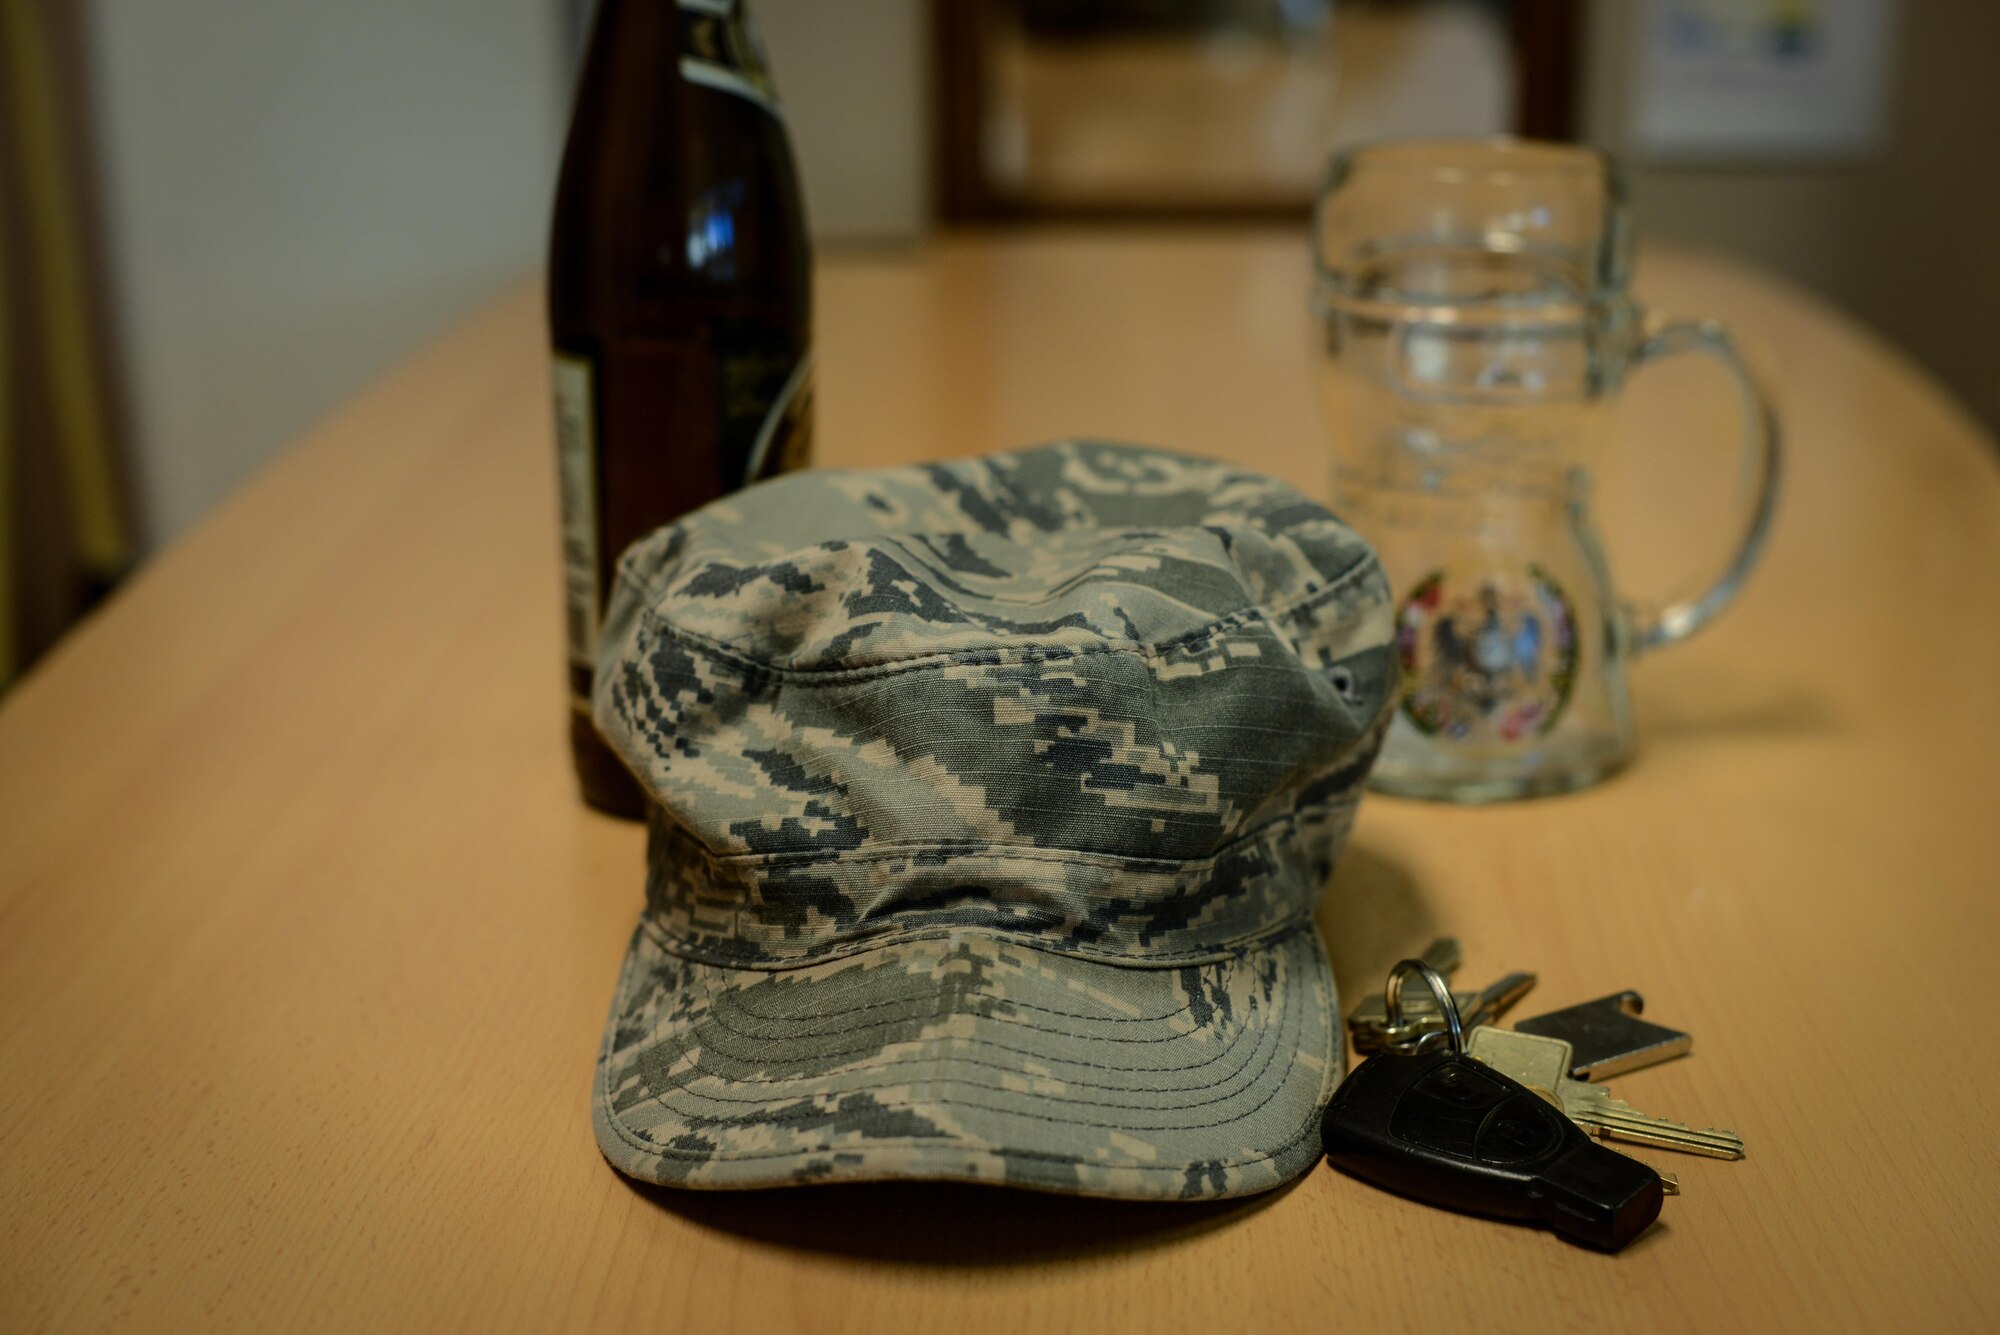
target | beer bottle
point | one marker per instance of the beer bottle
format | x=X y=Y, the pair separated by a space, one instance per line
x=679 y=304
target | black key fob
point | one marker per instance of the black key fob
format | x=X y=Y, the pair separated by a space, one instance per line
x=1443 y=1128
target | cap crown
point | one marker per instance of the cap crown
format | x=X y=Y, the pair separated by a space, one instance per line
x=1113 y=701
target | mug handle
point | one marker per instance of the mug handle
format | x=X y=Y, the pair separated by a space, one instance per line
x=1651 y=627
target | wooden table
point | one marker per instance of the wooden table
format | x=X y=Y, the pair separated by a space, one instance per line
x=305 y=944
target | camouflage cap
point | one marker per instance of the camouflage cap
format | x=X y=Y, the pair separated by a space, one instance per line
x=994 y=799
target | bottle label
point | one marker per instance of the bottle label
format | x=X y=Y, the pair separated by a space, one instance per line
x=576 y=463
x=724 y=51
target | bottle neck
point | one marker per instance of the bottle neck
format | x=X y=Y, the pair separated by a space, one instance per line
x=714 y=43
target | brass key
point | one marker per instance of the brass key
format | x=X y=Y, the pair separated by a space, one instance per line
x=1543 y=1064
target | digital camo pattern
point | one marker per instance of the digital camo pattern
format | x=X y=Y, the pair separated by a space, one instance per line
x=1082 y=717
x=1128 y=698
x=971 y=1058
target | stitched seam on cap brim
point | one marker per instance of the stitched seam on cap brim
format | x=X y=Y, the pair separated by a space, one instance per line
x=844 y=1030
x=664 y=1151
x=1016 y=652
x=1027 y=1021
x=876 y=1071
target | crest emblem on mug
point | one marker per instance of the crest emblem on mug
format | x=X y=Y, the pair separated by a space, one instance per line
x=1491 y=658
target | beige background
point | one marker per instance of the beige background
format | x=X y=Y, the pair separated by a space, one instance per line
x=302 y=193
x=299 y=194
x=1906 y=240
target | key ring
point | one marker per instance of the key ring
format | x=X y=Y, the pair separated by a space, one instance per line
x=1392 y=1002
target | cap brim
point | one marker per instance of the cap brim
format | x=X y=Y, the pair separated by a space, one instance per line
x=965 y=1057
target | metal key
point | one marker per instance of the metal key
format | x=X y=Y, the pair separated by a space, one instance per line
x=1370 y=1017
x=1423 y=1021
x=1543 y=1064
x=1368 y=1022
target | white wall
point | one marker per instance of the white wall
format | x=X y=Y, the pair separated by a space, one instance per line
x=299 y=195
x=1903 y=238
x=854 y=79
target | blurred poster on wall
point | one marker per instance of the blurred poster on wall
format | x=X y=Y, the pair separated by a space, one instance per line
x=1762 y=79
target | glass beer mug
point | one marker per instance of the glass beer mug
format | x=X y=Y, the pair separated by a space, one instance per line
x=1472 y=301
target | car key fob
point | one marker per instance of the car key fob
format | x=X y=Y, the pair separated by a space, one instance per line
x=1443 y=1128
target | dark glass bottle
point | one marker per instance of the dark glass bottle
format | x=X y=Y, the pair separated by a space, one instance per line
x=680 y=304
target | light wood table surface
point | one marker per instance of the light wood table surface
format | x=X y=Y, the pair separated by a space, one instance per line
x=306 y=944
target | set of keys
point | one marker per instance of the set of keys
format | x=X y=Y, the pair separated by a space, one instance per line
x=1456 y=1111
